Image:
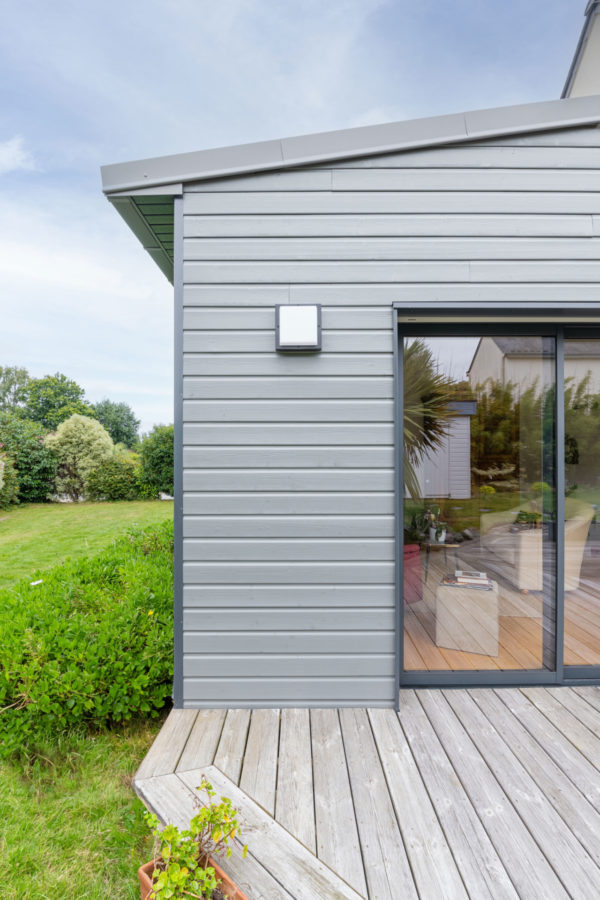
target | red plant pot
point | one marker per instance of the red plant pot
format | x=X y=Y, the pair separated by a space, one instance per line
x=226 y=884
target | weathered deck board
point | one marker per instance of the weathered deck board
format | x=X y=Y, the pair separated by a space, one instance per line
x=203 y=740
x=572 y=864
x=528 y=868
x=230 y=752
x=480 y=866
x=259 y=771
x=164 y=753
x=337 y=835
x=295 y=806
x=424 y=839
x=386 y=865
x=477 y=793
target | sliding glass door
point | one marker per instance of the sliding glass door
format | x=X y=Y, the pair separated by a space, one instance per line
x=479 y=506
x=582 y=503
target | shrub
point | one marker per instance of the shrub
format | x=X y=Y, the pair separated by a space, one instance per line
x=157 y=460
x=117 y=478
x=34 y=461
x=9 y=484
x=90 y=645
x=80 y=444
x=487 y=489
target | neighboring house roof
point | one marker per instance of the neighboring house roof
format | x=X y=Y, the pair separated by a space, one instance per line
x=584 y=73
x=142 y=190
x=530 y=346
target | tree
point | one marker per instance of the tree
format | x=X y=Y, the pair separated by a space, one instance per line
x=9 y=484
x=53 y=399
x=119 y=420
x=157 y=460
x=116 y=478
x=427 y=393
x=35 y=463
x=13 y=385
x=81 y=444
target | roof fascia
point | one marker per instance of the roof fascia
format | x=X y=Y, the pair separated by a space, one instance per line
x=592 y=8
x=368 y=140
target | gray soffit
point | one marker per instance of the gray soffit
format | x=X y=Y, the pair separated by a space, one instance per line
x=348 y=143
x=150 y=217
x=591 y=9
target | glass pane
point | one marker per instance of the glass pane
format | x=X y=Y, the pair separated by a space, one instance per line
x=479 y=509
x=582 y=487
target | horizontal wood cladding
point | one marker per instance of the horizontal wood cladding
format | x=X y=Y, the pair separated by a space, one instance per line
x=288 y=479
x=275 y=433
x=291 y=596
x=394 y=248
x=289 y=572
x=388 y=226
x=314 y=411
x=290 y=642
x=380 y=201
x=384 y=295
x=324 y=664
x=371 y=271
x=328 y=526
x=293 y=479
x=306 y=690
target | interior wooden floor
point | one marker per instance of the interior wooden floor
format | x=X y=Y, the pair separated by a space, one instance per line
x=462 y=795
x=520 y=624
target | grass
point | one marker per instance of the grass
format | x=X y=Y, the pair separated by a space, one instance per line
x=71 y=827
x=35 y=537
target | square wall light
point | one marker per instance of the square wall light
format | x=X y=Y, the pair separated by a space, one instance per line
x=298 y=327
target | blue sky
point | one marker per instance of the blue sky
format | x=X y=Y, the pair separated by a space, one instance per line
x=88 y=83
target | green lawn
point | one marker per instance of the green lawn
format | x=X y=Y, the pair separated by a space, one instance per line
x=41 y=535
x=71 y=826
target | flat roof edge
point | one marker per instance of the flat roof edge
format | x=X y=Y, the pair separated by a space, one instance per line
x=367 y=140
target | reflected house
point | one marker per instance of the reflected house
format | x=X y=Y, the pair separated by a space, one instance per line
x=446 y=470
x=516 y=361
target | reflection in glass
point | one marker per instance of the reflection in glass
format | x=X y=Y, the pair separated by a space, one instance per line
x=582 y=487
x=479 y=512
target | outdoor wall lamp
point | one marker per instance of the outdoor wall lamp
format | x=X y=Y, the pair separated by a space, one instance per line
x=298 y=327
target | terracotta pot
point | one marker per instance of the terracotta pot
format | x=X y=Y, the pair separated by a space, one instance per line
x=227 y=886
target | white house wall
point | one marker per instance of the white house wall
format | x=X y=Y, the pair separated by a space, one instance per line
x=288 y=459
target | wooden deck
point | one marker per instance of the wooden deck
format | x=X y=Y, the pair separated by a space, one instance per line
x=465 y=793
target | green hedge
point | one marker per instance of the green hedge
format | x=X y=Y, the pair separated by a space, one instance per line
x=91 y=645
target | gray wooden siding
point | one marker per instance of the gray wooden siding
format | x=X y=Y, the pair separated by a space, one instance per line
x=288 y=460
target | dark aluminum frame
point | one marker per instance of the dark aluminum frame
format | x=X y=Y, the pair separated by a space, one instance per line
x=178 y=455
x=465 y=322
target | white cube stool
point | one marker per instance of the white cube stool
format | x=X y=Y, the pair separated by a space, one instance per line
x=467 y=619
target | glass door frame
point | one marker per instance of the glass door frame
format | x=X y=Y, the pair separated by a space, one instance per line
x=475 y=323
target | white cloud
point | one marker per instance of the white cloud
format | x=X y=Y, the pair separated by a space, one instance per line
x=14 y=156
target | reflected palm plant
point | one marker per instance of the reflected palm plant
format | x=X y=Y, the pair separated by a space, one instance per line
x=427 y=396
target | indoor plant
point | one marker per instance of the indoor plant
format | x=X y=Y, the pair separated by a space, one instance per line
x=184 y=863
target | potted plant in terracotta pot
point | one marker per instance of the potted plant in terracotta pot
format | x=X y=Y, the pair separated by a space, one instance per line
x=184 y=863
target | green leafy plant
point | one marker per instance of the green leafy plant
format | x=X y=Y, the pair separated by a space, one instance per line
x=53 y=399
x=116 y=478
x=35 y=463
x=157 y=461
x=9 y=483
x=427 y=395
x=81 y=444
x=182 y=857
x=88 y=644
x=487 y=490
